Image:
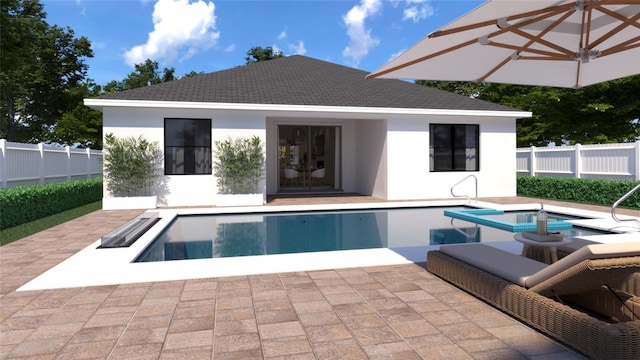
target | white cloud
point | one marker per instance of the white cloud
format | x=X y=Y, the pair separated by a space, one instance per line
x=275 y=49
x=181 y=29
x=83 y=9
x=417 y=10
x=230 y=48
x=360 y=38
x=98 y=45
x=298 y=49
x=283 y=35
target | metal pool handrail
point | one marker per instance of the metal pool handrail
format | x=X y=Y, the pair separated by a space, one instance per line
x=466 y=196
x=623 y=198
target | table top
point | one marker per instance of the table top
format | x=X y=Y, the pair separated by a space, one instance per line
x=520 y=238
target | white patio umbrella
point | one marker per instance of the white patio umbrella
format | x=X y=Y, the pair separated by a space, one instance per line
x=532 y=42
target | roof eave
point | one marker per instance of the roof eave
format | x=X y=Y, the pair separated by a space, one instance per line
x=100 y=104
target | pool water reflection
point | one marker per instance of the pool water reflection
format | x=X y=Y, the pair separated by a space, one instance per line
x=215 y=236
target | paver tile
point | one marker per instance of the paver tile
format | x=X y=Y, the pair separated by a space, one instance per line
x=378 y=312
x=287 y=347
x=341 y=349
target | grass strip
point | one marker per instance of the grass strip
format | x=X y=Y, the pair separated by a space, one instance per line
x=18 y=232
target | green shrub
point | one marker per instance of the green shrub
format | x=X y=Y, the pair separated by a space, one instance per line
x=131 y=165
x=588 y=191
x=24 y=204
x=239 y=165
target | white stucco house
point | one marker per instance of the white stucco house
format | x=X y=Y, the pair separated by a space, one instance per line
x=390 y=139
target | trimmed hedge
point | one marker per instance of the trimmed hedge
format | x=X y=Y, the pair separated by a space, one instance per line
x=24 y=204
x=587 y=191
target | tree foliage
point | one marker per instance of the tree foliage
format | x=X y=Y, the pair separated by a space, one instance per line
x=145 y=74
x=257 y=54
x=602 y=113
x=40 y=66
x=81 y=126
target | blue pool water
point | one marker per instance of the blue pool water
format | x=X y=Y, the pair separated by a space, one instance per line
x=214 y=236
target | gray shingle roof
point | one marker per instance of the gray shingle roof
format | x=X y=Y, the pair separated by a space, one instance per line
x=301 y=80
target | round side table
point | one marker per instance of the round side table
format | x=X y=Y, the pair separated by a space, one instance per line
x=550 y=247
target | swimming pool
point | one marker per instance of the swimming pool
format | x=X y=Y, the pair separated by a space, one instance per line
x=220 y=236
x=95 y=266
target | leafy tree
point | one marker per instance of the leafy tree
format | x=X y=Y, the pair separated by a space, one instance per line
x=145 y=74
x=192 y=73
x=82 y=125
x=602 y=113
x=40 y=66
x=257 y=54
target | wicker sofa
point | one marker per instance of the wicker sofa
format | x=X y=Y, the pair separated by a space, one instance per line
x=588 y=300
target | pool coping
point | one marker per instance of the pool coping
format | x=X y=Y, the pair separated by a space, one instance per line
x=92 y=266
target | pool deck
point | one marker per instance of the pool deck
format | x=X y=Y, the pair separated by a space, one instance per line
x=399 y=311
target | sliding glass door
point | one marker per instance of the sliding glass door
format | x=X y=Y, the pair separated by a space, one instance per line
x=308 y=158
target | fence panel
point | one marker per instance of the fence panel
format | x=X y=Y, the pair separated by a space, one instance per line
x=601 y=161
x=34 y=164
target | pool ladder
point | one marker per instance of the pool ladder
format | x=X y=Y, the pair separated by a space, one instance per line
x=466 y=196
x=623 y=198
x=470 y=237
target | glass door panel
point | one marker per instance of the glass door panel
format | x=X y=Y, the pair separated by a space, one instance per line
x=307 y=157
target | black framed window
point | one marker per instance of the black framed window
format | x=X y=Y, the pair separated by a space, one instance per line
x=454 y=147
x=187 y=146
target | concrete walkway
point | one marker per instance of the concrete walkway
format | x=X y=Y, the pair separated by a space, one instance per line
x=398 y=312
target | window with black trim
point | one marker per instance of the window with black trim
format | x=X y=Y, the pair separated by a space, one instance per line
x=187 y=146
x=454 y=147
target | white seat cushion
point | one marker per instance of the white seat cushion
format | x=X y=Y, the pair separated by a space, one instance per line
x=506 y=265
x=596 y=251
x=527 y=272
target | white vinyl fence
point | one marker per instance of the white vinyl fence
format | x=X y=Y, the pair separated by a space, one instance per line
x=605 y=161
x=34 y=164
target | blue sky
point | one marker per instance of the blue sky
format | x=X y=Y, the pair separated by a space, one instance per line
x=212 y=35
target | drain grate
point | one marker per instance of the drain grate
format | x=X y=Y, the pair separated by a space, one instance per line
x=127 y=234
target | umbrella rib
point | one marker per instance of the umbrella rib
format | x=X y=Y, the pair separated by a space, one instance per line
x=586 y=21
x=632 y=21
x=538 y=58
x=525 y=48
x=577 y=83
x=423 y=58
x=627 y=45
x=540 y=40
x=532 y=40
x=550 y=11
x=495 y=68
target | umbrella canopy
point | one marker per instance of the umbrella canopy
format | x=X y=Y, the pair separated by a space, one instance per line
x=532 y=42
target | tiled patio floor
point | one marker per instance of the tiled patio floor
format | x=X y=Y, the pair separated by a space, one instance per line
x=399 y=312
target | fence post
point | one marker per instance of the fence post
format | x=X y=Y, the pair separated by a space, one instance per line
x=88 y=164
x=41 y=164
x=68 y=151
x=532 y=161
x=637 y=161
x=3 y=164
x=578 y=162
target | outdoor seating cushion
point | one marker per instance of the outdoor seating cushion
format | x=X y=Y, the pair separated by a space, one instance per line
x=506 y=265
x=601 y=264
x=555 y=278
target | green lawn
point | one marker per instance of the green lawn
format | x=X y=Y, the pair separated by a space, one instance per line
x=20 y=231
